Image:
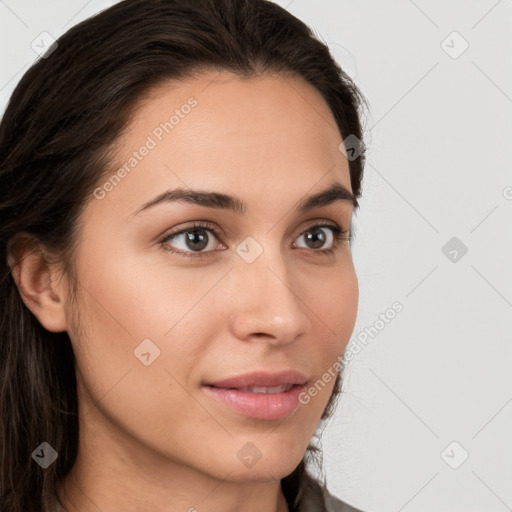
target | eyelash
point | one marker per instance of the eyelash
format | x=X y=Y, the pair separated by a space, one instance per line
x=338 y=234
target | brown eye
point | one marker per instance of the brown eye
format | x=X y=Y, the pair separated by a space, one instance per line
x=192 y=241
x=195 y=239
x=319 y=235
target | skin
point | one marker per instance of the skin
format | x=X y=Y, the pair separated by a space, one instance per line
x=150 y=437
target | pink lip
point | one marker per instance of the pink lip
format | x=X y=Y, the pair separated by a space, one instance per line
x=261 y=379
x=264 y=406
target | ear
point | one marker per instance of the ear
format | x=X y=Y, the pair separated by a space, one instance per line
x=38 y=280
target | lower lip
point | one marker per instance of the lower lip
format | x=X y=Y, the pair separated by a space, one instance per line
x=263 y=406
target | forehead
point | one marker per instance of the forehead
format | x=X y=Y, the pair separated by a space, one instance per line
x=259 y=135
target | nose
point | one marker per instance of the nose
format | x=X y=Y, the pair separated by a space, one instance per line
x=266 y=302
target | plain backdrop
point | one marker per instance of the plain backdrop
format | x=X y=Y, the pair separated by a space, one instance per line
x=425 y=419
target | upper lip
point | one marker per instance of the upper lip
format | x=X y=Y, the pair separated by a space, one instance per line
x=261 y=379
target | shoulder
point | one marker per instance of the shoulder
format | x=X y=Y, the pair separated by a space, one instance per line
x=333 y=504
x=315 y=497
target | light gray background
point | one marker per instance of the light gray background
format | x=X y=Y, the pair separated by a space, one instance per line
x=439 y=135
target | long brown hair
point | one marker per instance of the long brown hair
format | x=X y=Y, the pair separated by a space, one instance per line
x=62 y=119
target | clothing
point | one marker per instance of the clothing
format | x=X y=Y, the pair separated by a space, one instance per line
x=312 y=497
x=315 y=498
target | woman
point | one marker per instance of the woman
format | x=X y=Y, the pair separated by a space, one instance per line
x=178 y=287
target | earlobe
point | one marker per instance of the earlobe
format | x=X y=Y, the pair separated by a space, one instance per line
x=36 y=278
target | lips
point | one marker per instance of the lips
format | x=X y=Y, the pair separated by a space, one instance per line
x=260 y=395
x=261 y=406
x=261 y=379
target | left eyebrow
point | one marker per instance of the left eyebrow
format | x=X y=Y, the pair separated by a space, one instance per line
x=217 y=200
x=336 y=192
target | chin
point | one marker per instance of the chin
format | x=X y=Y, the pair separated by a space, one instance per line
x=252 y=465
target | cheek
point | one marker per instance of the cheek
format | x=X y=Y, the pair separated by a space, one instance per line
x=333 y=301
x=122 y=302
x=335 y=309
x=128 y=307
x=145 y=296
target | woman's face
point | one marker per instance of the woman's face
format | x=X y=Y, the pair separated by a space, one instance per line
x=248 y=292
